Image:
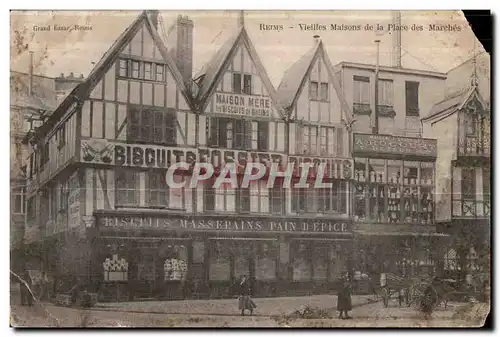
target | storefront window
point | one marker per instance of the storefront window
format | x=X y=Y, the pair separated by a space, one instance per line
x=175 y=266
x=393 y=191
x=265 y=260
x=320 y=263
x=302 y=261
x=242 y=251
x=220 y=264
x=337 y=260
x=115 y=269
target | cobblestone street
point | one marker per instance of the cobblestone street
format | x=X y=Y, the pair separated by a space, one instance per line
x=271 y=312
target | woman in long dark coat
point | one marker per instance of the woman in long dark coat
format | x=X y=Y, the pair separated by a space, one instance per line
x=344 y=304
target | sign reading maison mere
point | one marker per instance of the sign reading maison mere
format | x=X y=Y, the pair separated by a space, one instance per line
x=242 y=225
x=379 y=144
x=243 y=105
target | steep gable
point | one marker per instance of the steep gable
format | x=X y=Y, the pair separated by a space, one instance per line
x=142 y=24
x=294 y=80
x=237 y=54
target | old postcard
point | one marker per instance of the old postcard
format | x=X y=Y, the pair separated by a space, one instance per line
x=249 y=169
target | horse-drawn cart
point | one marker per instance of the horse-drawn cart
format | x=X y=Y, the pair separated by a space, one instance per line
x=423 y=292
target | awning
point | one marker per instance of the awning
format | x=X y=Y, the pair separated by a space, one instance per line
x=416 y=234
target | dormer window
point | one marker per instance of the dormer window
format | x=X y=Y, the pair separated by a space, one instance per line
x=318 y=91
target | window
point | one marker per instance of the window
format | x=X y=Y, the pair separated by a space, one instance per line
x=276 y=200
x=311 y=200
x=31 y=208
x=310 y=137
x=393 y=191
x=412 y=108
x=147 y=71
x=238 y=134
x=127 y=187
x=136 y=70
x=469 y=183
x=486 y=184
x=157 y=193
x=247 y=84
x=471 y=121
x=61 y=137
x=44 y=155
x=324 y=92
x=313 y=91
x=209 y=196
x=115 y=269
x=237 y=83
x=18 y=201
x=124 y=68
x=385 y=98
x=361 y=99
x=243 y=195
x=159 y=72
x=222 y=198
x=323 y=142
x=62 y=197
x=151 y=126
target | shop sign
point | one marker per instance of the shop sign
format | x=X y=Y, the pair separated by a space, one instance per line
x=379 y=144
x=242 y=105
x=210 y=224
x=102 y=151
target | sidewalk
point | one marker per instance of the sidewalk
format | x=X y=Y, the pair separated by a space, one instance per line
x=265 y=306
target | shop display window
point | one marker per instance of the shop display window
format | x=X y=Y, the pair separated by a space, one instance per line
x=393 y=191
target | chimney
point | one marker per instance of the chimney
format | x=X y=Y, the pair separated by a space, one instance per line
x=180 y=42
x=153 y=16
x=396 y=40
x=30 y=75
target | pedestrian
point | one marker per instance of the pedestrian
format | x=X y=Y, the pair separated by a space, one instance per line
x=344 y=303
x=245 y=301
x=26 y=297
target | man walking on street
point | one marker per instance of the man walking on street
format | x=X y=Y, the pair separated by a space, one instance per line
x=244 y=300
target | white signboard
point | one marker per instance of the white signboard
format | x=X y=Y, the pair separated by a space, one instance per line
x=242 y=105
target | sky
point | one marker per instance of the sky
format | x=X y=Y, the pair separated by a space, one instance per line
x=57 y=52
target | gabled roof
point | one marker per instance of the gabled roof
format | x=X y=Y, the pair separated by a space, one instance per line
x=453 y=103
x=83 y=90
x=294 y=79
x=210 y=75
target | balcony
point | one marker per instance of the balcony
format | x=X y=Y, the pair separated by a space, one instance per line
x=464 y=208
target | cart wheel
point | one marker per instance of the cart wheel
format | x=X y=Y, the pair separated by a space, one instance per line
x=385 y=297
x=424 y=294
x=431 y=298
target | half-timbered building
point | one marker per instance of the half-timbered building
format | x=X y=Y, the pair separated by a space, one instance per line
x=462 y=125
x=99 y=155
x=316 y=131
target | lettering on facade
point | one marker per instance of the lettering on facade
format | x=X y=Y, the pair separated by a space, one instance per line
x=395 y=145
x=245 y=225
x=100 y=151
x=243 y=105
